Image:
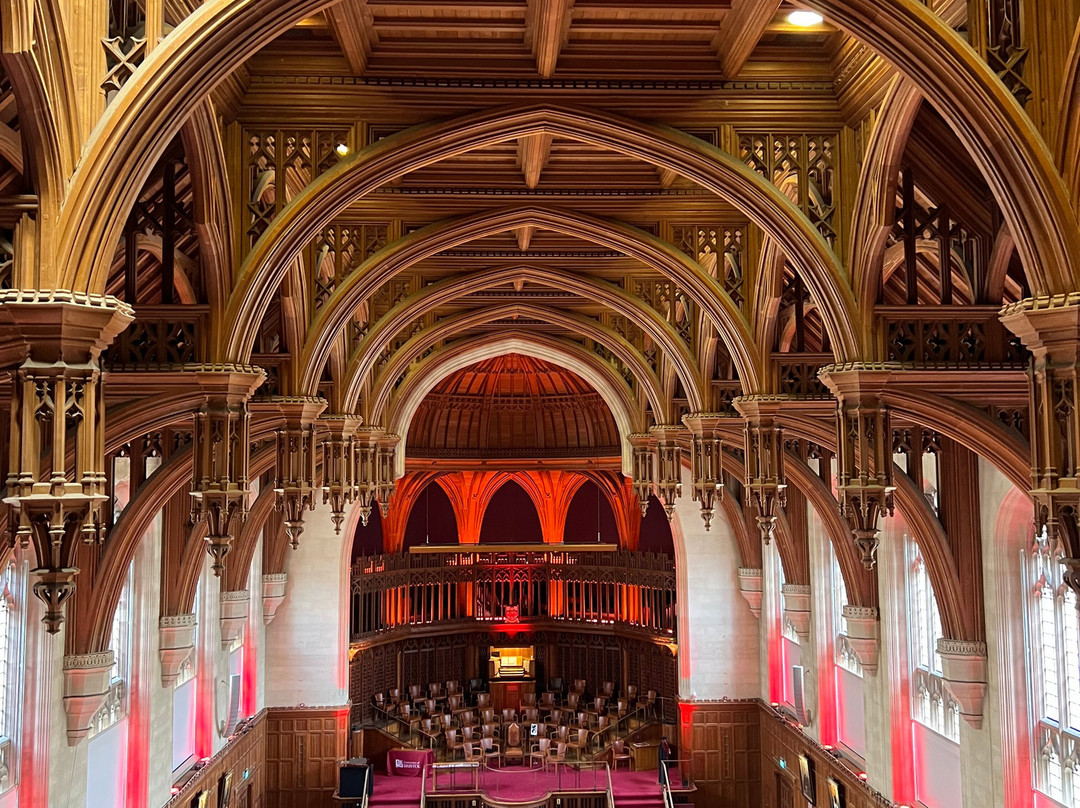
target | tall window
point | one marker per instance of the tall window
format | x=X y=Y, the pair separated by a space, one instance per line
x=115 y=706
x=845 y=654
x=932 y=704
x=9 y=667
x=1054 y=639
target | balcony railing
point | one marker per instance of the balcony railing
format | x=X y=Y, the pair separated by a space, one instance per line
x=161 y=336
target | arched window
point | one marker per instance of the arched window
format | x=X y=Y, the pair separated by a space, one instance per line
x=115 y=706
x=846 y=657
x=1054 y=640
x=9 y=668
x=932 y=704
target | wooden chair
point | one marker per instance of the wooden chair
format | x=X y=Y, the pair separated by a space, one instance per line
x=607 y=690
x=514 y=748
x=395 y=695
x=435 y=690
x=579 y=742
x=509 y=716
x=453 y=688
x=621 y=708
x=539 y=751
x=430 y=730
x=483 y=701
x=528 y=700
x=456 y=704
x=490 y=750
x=468 y=719
x=554 y=719
x=556 y=754
x=413 y=718
x=473 y=753
x=572 y=700
x=489 y=730
x=429 y=707
x=547 y=701
x=603 y=726
x=561 y=734
x=531 y=715
x=468 y=733
x=556 y=684
x=416 y=695
x=649 y=702
x=631 y=693
x=446 y=720
x=487 y=716
x=579 y=686
x=453 y=742
x=599 y=704
x=581 y=720
x=619 y=753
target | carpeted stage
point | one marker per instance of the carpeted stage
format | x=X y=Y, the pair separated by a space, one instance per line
x=518 y=784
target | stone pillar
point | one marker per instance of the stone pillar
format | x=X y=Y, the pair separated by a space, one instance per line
x=887 y=693
x=995 y=760
x=307 y=644
x=717 y=633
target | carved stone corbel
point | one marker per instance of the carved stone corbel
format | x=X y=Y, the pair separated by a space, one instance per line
x=386 y=471
x=366 y=446
x=750 y=588
x=273 y=593
x=177 y=637
x=863 y=635
x=864 y=460
x=86 y=686
x=797 y=608
x=233 y=615
x=964 y=672
x=706 y=461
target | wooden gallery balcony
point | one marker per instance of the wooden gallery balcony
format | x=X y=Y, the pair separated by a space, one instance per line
x=504 y=588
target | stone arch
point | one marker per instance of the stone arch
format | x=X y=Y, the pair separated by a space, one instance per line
x=568 y=355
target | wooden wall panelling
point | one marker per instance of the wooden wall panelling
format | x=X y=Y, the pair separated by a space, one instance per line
x=245 y=753
x=780 y=740
x=303 y=749
x=723 y=742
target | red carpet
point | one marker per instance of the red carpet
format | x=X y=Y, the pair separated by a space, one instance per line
x=520 y=784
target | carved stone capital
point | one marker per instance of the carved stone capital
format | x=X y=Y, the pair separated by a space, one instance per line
x=964 y=671
x=797 y=608
x=864 y=630
x=234 y=614
x=86 y=685
x=177 y=633
x=273 y=593
x=750 y=588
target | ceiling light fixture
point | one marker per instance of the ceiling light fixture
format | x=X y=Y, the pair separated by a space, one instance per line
x=805 y=19
x=342 y=149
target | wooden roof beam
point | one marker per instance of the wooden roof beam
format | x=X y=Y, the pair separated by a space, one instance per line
x=742 y=30
x=532 y=155
x=547 y=27
x=352 y=24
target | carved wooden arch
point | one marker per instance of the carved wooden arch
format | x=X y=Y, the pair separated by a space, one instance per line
x=569 y=355
x=650 y=321
x=89 y=627
x=392 y=157
x=957 y=617
x=212 y=198
x=876 y=196
x=795 y=559
x=922 y=523
x=215 y=39
x=861 y=584
x=1067 y=138
x=767 y=293
x=700 y=286
x=238 y=561
x=35 y=58
x=383 y=386
x=997 y=270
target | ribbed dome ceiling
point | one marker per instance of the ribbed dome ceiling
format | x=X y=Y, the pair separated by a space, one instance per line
x=513 y=406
